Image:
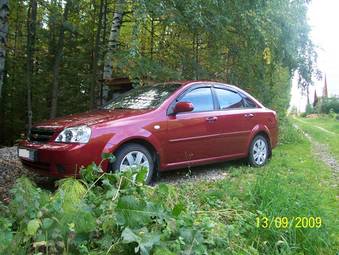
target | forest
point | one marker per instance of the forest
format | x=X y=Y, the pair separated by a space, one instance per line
x=59 y=55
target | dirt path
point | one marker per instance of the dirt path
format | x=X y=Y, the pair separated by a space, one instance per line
x=318 y=127
x=322 y=152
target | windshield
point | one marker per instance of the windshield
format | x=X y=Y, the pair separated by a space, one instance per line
x=145 y=97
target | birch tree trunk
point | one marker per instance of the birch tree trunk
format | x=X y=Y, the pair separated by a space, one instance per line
x=57 y=61
x=31 y=32
x=113 y=41
x=4 y=10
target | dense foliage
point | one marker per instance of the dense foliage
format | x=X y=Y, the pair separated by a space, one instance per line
x=328 y=105
x=119 y=216
x=256 y=45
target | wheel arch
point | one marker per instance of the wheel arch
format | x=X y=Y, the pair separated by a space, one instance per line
x=141 y=141
x=264 y=131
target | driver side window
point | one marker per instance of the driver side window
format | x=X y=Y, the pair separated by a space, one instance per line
x=201 y=98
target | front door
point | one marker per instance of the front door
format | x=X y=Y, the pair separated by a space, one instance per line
x=189 y=134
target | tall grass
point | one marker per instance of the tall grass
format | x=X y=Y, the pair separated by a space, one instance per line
x=295 y=185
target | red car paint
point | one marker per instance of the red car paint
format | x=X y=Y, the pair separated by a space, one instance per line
x=179 y=140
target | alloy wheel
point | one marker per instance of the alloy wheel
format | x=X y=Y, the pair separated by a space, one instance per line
x=134 y=159
x=260 y=151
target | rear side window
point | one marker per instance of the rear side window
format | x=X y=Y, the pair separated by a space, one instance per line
x=201 y=98
x=249 y=103
x=229 y=99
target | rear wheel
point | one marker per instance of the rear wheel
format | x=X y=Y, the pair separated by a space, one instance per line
x=134 y=156
x=259 y=151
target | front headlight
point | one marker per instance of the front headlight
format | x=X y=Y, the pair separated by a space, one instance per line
x=79 y=134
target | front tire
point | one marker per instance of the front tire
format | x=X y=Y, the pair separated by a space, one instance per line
x=259 y=151
x=134 y=155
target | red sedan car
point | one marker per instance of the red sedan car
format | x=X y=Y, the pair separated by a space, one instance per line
x=161 y=127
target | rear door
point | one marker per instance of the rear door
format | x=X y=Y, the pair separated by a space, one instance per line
x=189 y=134
x=235 y=122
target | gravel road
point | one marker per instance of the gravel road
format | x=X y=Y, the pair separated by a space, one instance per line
x=10 y=170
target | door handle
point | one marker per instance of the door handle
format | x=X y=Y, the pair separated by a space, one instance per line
x=249 y=115
x=211 y=119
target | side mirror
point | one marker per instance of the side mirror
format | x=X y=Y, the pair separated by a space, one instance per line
x=183 y=107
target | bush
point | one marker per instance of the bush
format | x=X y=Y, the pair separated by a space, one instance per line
x=332 y=114
x=303 y=115
x=326 y=104
x=105 y=213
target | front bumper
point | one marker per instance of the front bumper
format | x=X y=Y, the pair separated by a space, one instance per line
x=61 y=159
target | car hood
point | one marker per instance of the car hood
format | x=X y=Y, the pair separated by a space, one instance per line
x=88 y=118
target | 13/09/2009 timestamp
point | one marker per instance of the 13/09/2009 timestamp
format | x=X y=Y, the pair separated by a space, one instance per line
x=288 y=222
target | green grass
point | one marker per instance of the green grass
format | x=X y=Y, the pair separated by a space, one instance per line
x=314 y=127
x=323 y=121
x=293 y=184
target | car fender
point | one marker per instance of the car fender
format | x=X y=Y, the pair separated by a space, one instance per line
x=144 y=135
x=259 y=128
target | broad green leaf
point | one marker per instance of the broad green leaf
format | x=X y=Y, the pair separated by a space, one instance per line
x=142 y=237
x=32 y=227
x=47 y=223
x=141 y=175
x=132 y=211
x=178 y=208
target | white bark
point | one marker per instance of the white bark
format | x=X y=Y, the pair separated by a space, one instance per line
x=113 y=41
x=4 y=10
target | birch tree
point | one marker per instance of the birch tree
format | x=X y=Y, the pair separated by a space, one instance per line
x=113 y=41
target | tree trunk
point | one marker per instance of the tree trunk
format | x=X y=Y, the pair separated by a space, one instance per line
x=4 y=10
x=31 y=32
x=113 y=41
x=57 y=61
x=95 y=58
x=152 y=38
x=104 y=52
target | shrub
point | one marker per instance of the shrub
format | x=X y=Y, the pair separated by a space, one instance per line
x=105 y=213
x=303 y=114
x=326 y=104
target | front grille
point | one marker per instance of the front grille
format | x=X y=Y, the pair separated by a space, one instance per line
x=40 y=135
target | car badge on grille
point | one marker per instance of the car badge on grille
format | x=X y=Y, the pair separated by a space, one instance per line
x=35 y=136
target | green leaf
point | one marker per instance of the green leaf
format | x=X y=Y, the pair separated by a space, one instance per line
x=142 y=237
x=141 y=175
x=47 y=223
x=178 y=208
x=108 y=156
x=32 y=227
x=132 y=211
x=163 y=251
